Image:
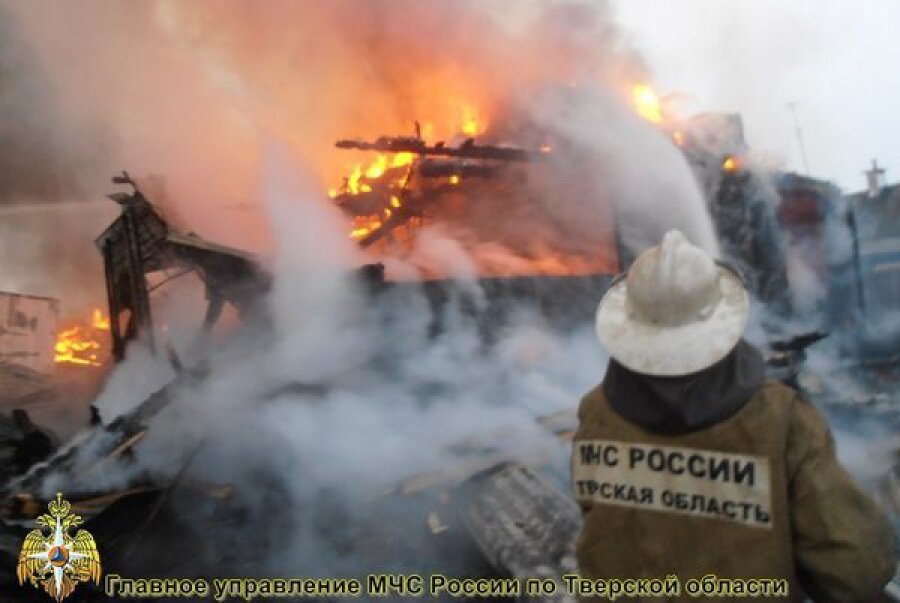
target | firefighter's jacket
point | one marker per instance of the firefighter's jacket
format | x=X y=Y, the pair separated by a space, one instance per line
x=722 y=473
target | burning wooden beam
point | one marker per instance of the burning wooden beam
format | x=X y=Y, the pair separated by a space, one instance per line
x=412 y=144
x=383 y=203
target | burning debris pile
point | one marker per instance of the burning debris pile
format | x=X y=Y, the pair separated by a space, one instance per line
x=398 y=188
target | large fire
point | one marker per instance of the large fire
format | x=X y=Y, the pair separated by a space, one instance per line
x=390 y=196
x=81 y=344
x=451 y=175
x=373 y=193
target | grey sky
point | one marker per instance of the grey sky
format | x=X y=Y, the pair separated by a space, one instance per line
x=837 y=60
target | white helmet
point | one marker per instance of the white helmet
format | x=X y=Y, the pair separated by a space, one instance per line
x=676 y=312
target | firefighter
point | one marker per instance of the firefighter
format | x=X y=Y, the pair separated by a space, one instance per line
x=689 y=464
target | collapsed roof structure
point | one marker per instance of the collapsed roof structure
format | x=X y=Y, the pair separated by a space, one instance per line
x=140 y=242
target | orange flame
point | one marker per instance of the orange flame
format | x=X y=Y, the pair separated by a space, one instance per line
x=358 y=181
x=99 y=321
x=471 y=124
x=646 y=102
x=80 y=344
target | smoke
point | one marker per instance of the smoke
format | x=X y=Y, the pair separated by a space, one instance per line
x=858 y=400
x=647 y=184
x=187 y=91
x=739 y=56
x=48 y=249
x=339 y=397
x=344 y=396
x=45 y=149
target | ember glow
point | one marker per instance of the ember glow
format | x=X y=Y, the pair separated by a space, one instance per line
x=81 y=344
x=471 y=124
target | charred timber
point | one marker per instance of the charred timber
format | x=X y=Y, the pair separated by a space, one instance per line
x=444 y=169
x=361 y=204
x=469 y=149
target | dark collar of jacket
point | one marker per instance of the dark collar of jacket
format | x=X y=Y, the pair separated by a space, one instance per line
x=678 y=405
